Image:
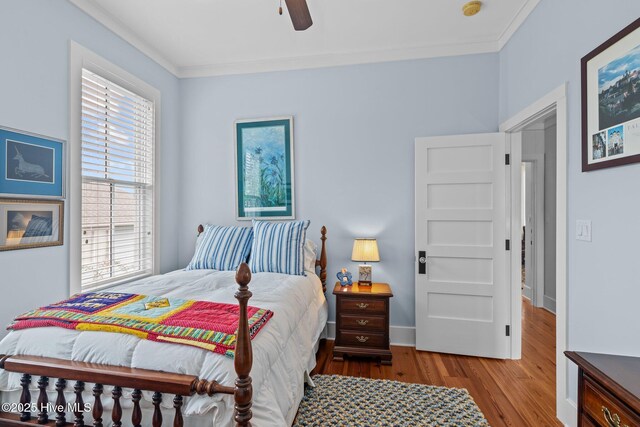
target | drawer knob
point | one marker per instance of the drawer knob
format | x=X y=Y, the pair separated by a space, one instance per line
x=362 y=339
x=362 y=305
x=362 y=322
x=612 y=420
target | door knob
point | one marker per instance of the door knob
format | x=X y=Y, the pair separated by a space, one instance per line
x=422 y=262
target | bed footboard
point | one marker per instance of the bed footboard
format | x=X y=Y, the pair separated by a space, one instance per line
x=160 y=383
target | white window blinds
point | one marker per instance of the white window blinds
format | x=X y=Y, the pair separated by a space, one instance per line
x=117 y=183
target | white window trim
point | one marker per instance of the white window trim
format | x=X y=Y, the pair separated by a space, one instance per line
x=79 y=58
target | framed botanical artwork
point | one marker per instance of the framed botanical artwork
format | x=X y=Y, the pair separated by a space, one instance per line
x=30 y=223
x=611 y=101
x=31 y=165
x=264 y=168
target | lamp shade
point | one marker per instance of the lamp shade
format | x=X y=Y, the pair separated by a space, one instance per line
x=365 y=250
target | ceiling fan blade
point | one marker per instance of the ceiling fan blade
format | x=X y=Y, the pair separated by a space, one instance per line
x=300 y=15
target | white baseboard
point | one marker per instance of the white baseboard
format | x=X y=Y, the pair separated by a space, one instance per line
x=569 y=415
x=331 y=330
x=404 y=336
x=550 y=304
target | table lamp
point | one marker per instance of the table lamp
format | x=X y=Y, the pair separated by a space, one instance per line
x=365 y=250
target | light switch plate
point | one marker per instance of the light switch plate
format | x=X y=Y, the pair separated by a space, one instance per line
x=583 y=230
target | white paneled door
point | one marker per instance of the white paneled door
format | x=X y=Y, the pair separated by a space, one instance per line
x=462 y=292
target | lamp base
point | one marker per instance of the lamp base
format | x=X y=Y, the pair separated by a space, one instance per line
x=364 y=275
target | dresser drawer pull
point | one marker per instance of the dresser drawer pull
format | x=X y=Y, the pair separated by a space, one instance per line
x=362 y=305
x=362 y=322
x=612 y=420
x=362 y=339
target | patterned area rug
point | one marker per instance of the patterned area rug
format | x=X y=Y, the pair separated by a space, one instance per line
x=351 y=401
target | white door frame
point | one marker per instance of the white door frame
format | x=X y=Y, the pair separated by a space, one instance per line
x=537 y=254
x=554 y=100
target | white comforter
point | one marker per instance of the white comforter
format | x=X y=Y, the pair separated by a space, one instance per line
x=283 y=351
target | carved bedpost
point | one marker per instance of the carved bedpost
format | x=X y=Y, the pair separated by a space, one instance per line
x=43 y=400
x=97 y=405
x=25 y=397
x=323 y=259
x=200 y=229
x=243 y=354
x=61 y=403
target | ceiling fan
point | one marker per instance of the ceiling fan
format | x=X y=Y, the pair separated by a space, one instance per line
x=299 y=12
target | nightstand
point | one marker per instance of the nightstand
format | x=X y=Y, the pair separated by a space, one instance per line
x=362 y=321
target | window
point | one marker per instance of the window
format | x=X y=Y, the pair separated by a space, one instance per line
x=117 y=133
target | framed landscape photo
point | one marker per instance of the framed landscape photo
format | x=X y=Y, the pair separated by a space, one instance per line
x=264 y=168
x=611 y=101
x=31 y=165
x=30 y=223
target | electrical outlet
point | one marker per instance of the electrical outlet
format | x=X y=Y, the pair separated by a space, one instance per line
x=583 y=230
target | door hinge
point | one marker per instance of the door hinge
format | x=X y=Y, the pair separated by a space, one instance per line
x=507 y=159
x=508 y=330
x=507 y=245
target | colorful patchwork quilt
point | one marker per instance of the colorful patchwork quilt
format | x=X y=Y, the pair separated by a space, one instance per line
x=208 y=325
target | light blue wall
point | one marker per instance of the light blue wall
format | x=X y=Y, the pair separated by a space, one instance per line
x=603 y=289
x=354 y=148
x=34 y=96
x=354 y=132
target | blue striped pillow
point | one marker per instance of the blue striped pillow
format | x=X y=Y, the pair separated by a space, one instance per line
x=278 y=247
x=222 y=248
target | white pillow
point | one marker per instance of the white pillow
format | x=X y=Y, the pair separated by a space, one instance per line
x=310 y=256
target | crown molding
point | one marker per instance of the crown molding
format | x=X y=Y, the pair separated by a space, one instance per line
x=516 y=22
x=338 y=59
x=95 y=11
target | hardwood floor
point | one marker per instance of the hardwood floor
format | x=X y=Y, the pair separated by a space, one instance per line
x=509 y=392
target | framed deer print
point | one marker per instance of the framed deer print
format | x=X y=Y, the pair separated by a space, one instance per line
x=31 y=165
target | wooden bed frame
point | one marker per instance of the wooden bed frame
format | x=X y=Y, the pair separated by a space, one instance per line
x=137 y=379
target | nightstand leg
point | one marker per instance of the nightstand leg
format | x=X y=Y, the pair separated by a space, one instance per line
x=338 y=357
x=385 y=360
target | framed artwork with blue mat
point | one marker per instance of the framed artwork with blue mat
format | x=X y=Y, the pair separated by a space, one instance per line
x=264 y=168
x=31 y=165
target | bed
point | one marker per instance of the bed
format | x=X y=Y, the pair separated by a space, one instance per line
x=104 y=378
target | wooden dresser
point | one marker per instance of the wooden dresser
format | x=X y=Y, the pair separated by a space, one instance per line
x=608 y=389
x=362 y=321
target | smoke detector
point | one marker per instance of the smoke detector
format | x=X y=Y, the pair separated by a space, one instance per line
x=471 y=8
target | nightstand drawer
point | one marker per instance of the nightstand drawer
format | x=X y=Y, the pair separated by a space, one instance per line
x=362 y=305
x=361 y=339
x=363 y=322
x=605 y=408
